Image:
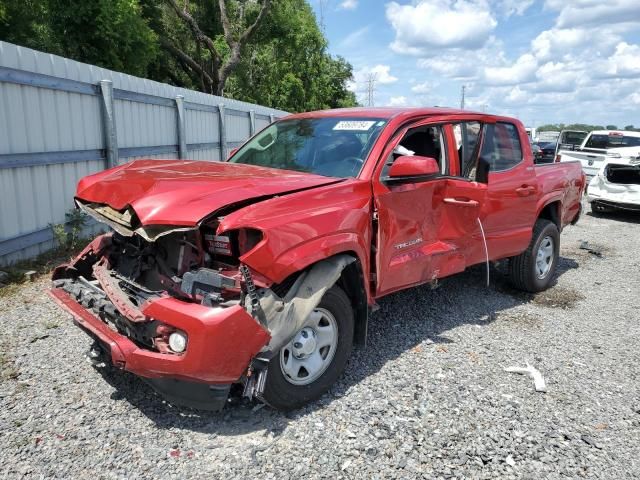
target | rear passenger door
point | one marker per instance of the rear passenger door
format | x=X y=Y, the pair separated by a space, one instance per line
x=510 y=208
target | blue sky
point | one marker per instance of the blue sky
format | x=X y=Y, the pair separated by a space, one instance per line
x=543 y=61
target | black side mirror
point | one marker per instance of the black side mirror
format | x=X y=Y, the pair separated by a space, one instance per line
x=482 y=171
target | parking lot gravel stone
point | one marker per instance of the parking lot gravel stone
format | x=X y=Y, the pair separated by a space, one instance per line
x=427 y=398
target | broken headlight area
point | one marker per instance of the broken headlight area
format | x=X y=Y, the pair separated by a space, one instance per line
x=118 y=275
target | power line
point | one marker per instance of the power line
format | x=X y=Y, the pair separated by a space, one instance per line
x=323 y=4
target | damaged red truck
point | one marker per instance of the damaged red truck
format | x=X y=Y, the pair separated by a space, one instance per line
x=261 y=271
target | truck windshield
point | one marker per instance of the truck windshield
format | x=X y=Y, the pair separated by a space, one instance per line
x=329 y=146
x=612 y=141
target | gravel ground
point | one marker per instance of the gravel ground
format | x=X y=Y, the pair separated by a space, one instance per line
x=427 y=398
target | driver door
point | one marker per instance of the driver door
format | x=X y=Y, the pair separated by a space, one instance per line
x=426 y=228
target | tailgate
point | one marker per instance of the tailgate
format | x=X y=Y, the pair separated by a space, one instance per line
x=592 y=160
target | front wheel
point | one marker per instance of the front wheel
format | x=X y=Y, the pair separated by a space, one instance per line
x=315 y=357
x=533 y=270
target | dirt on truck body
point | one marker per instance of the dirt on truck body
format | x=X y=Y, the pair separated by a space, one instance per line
x=260 y=271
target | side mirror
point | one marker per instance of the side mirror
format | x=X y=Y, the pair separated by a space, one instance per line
x=412 y=166
x=232 y=152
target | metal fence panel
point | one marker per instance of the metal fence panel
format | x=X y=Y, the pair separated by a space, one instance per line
x=52 y=133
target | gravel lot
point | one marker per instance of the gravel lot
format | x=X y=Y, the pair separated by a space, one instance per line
x=427 y=398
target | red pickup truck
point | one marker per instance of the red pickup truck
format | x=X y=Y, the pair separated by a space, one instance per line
x=261 y=271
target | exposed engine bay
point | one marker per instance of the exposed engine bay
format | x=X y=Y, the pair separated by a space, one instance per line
x=120 y=272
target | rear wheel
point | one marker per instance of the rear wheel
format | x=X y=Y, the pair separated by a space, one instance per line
x=533 y=270
x=313 y=360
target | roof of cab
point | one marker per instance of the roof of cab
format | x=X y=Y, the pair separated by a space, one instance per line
x=627 y=133
x=382 y=112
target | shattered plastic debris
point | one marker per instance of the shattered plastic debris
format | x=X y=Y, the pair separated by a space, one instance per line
x=584 y=245
x=538 y=379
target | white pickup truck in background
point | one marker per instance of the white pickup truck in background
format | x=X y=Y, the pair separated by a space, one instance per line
x=600 y=146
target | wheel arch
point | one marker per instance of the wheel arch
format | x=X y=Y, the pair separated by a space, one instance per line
x=551 y=211
x=353 y=282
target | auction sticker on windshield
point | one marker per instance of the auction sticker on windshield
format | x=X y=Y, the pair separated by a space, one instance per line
x=360 y=125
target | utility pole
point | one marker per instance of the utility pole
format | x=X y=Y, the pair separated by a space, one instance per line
x=464 y=87
x=371 y=81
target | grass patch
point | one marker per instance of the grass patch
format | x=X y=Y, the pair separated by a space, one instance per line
x=43 y=264
x=558 y=297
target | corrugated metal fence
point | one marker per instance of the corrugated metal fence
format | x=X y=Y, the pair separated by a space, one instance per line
x=61 y=120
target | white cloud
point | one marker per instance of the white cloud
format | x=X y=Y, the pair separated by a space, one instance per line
x=523 y=70
x=400 y=101
x=556 y=77
x=555 y=43
x=381 y=75
x=593 y=12
x=425 y=87
x=624 y=63
x=430 y=24
x=348 y=5
x=635 y=98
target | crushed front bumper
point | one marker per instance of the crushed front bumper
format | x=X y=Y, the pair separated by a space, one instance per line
x=221 y=345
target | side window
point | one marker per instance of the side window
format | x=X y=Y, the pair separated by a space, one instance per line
x=501 y=146
x=424 y=141
x=597 y=141
x=467 y=135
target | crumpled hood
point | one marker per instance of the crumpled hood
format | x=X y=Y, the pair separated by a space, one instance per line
x=182 y=193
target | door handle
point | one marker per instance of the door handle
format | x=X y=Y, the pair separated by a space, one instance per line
x=525 y=190
x=461 y=202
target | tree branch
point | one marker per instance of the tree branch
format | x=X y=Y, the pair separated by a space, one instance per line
x=187 y=60
x=195 y=28
x=236 y=45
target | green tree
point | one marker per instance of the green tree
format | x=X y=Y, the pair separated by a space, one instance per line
x=269 y=52
x=23 y=22
x=287 y=65
x=108 y=33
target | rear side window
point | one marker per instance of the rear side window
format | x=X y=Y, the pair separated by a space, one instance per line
x=611 y=141
x=501 y=146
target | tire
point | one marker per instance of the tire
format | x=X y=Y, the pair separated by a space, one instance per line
x=524 y=269
x=281 y=391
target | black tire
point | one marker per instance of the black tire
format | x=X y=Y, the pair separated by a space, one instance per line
x=283 y=395
x=522 y=268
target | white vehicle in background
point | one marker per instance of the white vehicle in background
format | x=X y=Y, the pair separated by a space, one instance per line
x=549 y=137
x=570 y=140
x=600 y=146
x=531 y=133
x=616 y=186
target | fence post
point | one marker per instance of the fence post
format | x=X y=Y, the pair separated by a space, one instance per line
x=252 y=122
x=223 y=132
x=109 y=124
x=182 y=132
x=272 y=117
